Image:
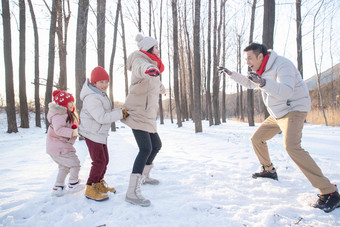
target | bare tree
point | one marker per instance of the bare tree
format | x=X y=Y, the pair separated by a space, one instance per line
x=268 y=30
x=160 y=103
x=124 y=52
x=36 y=66
x=63 y=21
x=197 y=69
x=224 y=117
x=80 y=66
x=113 y=125
x=10 y=102
x=51 y=56
x=299 y=36
x=208 y=94
x=316 y=65
x=139 y=16
x=101 y=11
x=169 y=58
x=250 y=92
x=22 y=66
x=175 y=61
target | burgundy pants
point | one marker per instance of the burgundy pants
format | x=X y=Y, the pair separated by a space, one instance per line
x=100 y=159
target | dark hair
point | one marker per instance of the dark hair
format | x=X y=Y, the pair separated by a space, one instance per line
x=150 y=50
x=257 y=49
x=74 y=117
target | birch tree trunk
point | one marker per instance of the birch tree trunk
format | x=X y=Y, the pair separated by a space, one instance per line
x=101 y=11
x=124 y=52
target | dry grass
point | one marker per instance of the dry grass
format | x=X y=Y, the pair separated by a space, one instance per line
x=332 y=116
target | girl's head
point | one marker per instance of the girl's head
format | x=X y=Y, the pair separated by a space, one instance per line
x=62 y=98
x=65 y=99
x=100 y=78
x=147 y=43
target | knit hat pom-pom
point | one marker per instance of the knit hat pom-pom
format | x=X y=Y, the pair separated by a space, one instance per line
x=74 y=126
x=139 y=37
x=56 y=92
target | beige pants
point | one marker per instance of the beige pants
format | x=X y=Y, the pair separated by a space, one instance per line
x=291 y=126
x=68 y=163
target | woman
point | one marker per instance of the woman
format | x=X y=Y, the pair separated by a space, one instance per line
x=142 y=105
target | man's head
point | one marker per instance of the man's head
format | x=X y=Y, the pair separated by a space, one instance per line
x=255 y=53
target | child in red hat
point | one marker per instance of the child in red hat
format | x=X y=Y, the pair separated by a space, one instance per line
x=61 y=135
x=96 y=117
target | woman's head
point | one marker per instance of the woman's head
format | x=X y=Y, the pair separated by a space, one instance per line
x=147 y=43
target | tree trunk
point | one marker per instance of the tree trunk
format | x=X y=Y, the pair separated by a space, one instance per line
x=191 y=103
x=101 y=10
x=175 y=60
x=51 y=56
x=197 y=69
x=62 y=40
x=169 y=58
x=268 y=30
x=113 y=125
x=208 y=94
x=299 y=37
x=36 y=67
x=250 y=92
x=160 y=103
x=22 y=66
x=139 y=16
x=224 y=117
x=10 y=102
x=83 y=8
x=125 y=55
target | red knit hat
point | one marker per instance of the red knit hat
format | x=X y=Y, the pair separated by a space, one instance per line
x=99 y=74
x=62 y=98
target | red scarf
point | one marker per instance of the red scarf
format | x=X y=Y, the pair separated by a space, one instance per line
x=155 y=58
x=263 y=66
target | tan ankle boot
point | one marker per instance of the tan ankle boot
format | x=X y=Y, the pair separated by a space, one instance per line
x=104 y=188
x=92 y=192
x=146 y=175
x=133 y=194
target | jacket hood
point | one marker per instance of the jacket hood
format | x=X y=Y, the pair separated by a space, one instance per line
x=271 y=60
x=55 y=109
x=133 y=56
x=88 y=89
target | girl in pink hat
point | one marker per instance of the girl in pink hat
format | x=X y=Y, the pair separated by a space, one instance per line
x=61 y=135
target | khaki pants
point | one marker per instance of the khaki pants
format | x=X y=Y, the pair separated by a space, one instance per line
x=68 y=163
x=291 y=126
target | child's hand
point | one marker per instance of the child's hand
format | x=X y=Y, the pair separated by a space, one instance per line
x=75 y=132
x=125 y=113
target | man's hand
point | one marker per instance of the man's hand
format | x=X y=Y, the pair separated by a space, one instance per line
x=257 y=79
x=221 y=69
x=152 y=72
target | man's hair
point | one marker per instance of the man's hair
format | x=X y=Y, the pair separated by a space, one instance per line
x=257 y=49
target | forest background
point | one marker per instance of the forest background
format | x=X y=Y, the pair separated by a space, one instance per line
x=75 y=36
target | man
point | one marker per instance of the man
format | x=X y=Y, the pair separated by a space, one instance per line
x=286 y=97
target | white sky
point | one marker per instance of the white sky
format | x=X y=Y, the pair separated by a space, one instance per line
x=284 y=38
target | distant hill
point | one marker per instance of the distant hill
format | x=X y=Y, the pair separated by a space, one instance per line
x=326 y=77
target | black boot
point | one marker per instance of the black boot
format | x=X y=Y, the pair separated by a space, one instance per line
x=266 y=174
x=328 y=202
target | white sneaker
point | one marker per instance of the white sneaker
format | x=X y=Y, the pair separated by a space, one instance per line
x=75 y=187
x=58 y=191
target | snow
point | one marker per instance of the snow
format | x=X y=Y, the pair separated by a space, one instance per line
x=205 y=180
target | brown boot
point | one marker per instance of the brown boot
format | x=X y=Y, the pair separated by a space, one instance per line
x=104 y=188
x=92 y=192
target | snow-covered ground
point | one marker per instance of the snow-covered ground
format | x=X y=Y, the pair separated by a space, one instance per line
x=205 y=180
